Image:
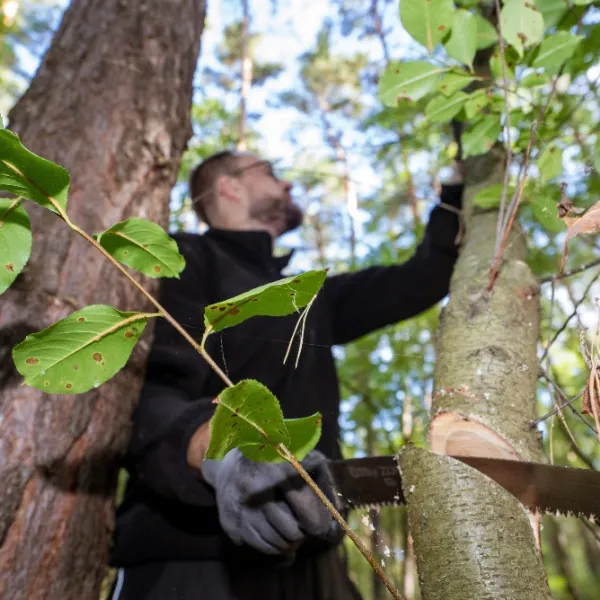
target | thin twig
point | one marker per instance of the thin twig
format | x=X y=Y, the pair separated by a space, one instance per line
x=507 y=126
x=575 y=271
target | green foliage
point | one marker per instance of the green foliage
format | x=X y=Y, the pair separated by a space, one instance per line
x=249 y=417
x=79 y=352
x=522 y=24
x=427 y=21
x=481 y=137
x=15 y=240
x=283 y=297
x=25 y=174
x=407 y=81
x=143 y=246
x=550 y=162
x=463 y=41
x=556 y=49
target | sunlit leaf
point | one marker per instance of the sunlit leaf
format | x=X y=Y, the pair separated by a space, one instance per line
x=304 y=435
x=462 y=44
x=534 y=80
x=486 y=33
x=277 y=299
x=480 y=138
x=30 y=176
x=427 y=21
x=491 y=196
x=545 y=212
x=522 y=24
x=15 y=240
x=550 y=163
x=407 y=81
x=79 y=352
x=556 y=49
x=453 y=81
x=143 y=246
x=441 y=109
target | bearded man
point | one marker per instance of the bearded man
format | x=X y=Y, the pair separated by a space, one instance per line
x=234 y=529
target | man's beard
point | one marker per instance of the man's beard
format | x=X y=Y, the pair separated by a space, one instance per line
x=279 y=210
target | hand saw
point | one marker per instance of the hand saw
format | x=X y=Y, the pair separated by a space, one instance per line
x=374 y=481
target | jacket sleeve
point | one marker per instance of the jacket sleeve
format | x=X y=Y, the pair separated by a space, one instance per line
x=366 y=300
x=171 y=405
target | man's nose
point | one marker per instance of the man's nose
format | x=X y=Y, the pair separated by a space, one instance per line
x=287 y=185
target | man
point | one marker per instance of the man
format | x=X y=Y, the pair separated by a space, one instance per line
x=191 y=528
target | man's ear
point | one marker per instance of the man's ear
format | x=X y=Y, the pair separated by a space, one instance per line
x=228 y=188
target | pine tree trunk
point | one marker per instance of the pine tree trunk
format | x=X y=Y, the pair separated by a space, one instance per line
x=111 y=103
x=473 y=540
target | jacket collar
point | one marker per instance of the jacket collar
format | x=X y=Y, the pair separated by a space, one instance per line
x=255 y=246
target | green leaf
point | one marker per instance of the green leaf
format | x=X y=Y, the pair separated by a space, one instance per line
x=304 y=434
x=407 y=81
x=556 y=49
x=482 y=137
x=496 y=66
x=486 y=33
x=545 y=212
x=427 y=21
x=453 y=81
x=476 y=102
x=247 y=414
x=30 y=176
x=15 y=240
x=277 y=299
x=550 y=163
x=143 y=246
x=441 y=109
x=81 y=351
x=522 y=24
x=462 y=44
x=490 y=196
x=552 y=10
x=534 y=80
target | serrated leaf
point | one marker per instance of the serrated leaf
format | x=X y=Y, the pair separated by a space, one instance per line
x=556 y=49
x=277 y=299
x=476 y=102
x=441 y=109
x=534 y=80
x=550 y=163
x=25 y=174
x=79 y=352
x=522 y=24
x=427 y=21
x=304 y=434
x=490 y=196
x=15 y=240
x=247 y=414
x=486 y=33
x=143 y=246
x=462 y=44
x=453 y=81
x=482 y=136
x=407 y=81
x=552 y=10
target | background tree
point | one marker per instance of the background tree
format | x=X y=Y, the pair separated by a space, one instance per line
x=122 y=148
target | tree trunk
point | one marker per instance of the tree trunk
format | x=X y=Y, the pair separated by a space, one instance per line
x=473 y=540
x=111 y=103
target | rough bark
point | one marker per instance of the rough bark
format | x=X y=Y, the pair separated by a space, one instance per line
x=111 y=103
x=473 y=541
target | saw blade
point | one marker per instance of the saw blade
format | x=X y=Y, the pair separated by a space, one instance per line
x=376 y=481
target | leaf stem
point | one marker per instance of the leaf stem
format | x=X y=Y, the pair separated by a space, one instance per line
x=287 y=455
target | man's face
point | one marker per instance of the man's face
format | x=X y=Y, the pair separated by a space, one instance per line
x=268 y=199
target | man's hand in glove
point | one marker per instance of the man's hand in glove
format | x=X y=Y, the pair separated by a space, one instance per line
x=268 y=505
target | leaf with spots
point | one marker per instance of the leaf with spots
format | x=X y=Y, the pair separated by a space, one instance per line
x=407 y=81
x=480 y=138
x=462 y=44
x=453 y=81
x=427 y=21
x=522 y=24
x=441 y=109
x=81 y=351
x=25 y=174
x=15 y=240
x=476 y=102
x=282 y=297
x=144 y=246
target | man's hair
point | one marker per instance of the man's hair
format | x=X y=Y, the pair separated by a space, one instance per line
x=203 y=179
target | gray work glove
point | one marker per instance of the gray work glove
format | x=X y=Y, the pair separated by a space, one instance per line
x=268 y=505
